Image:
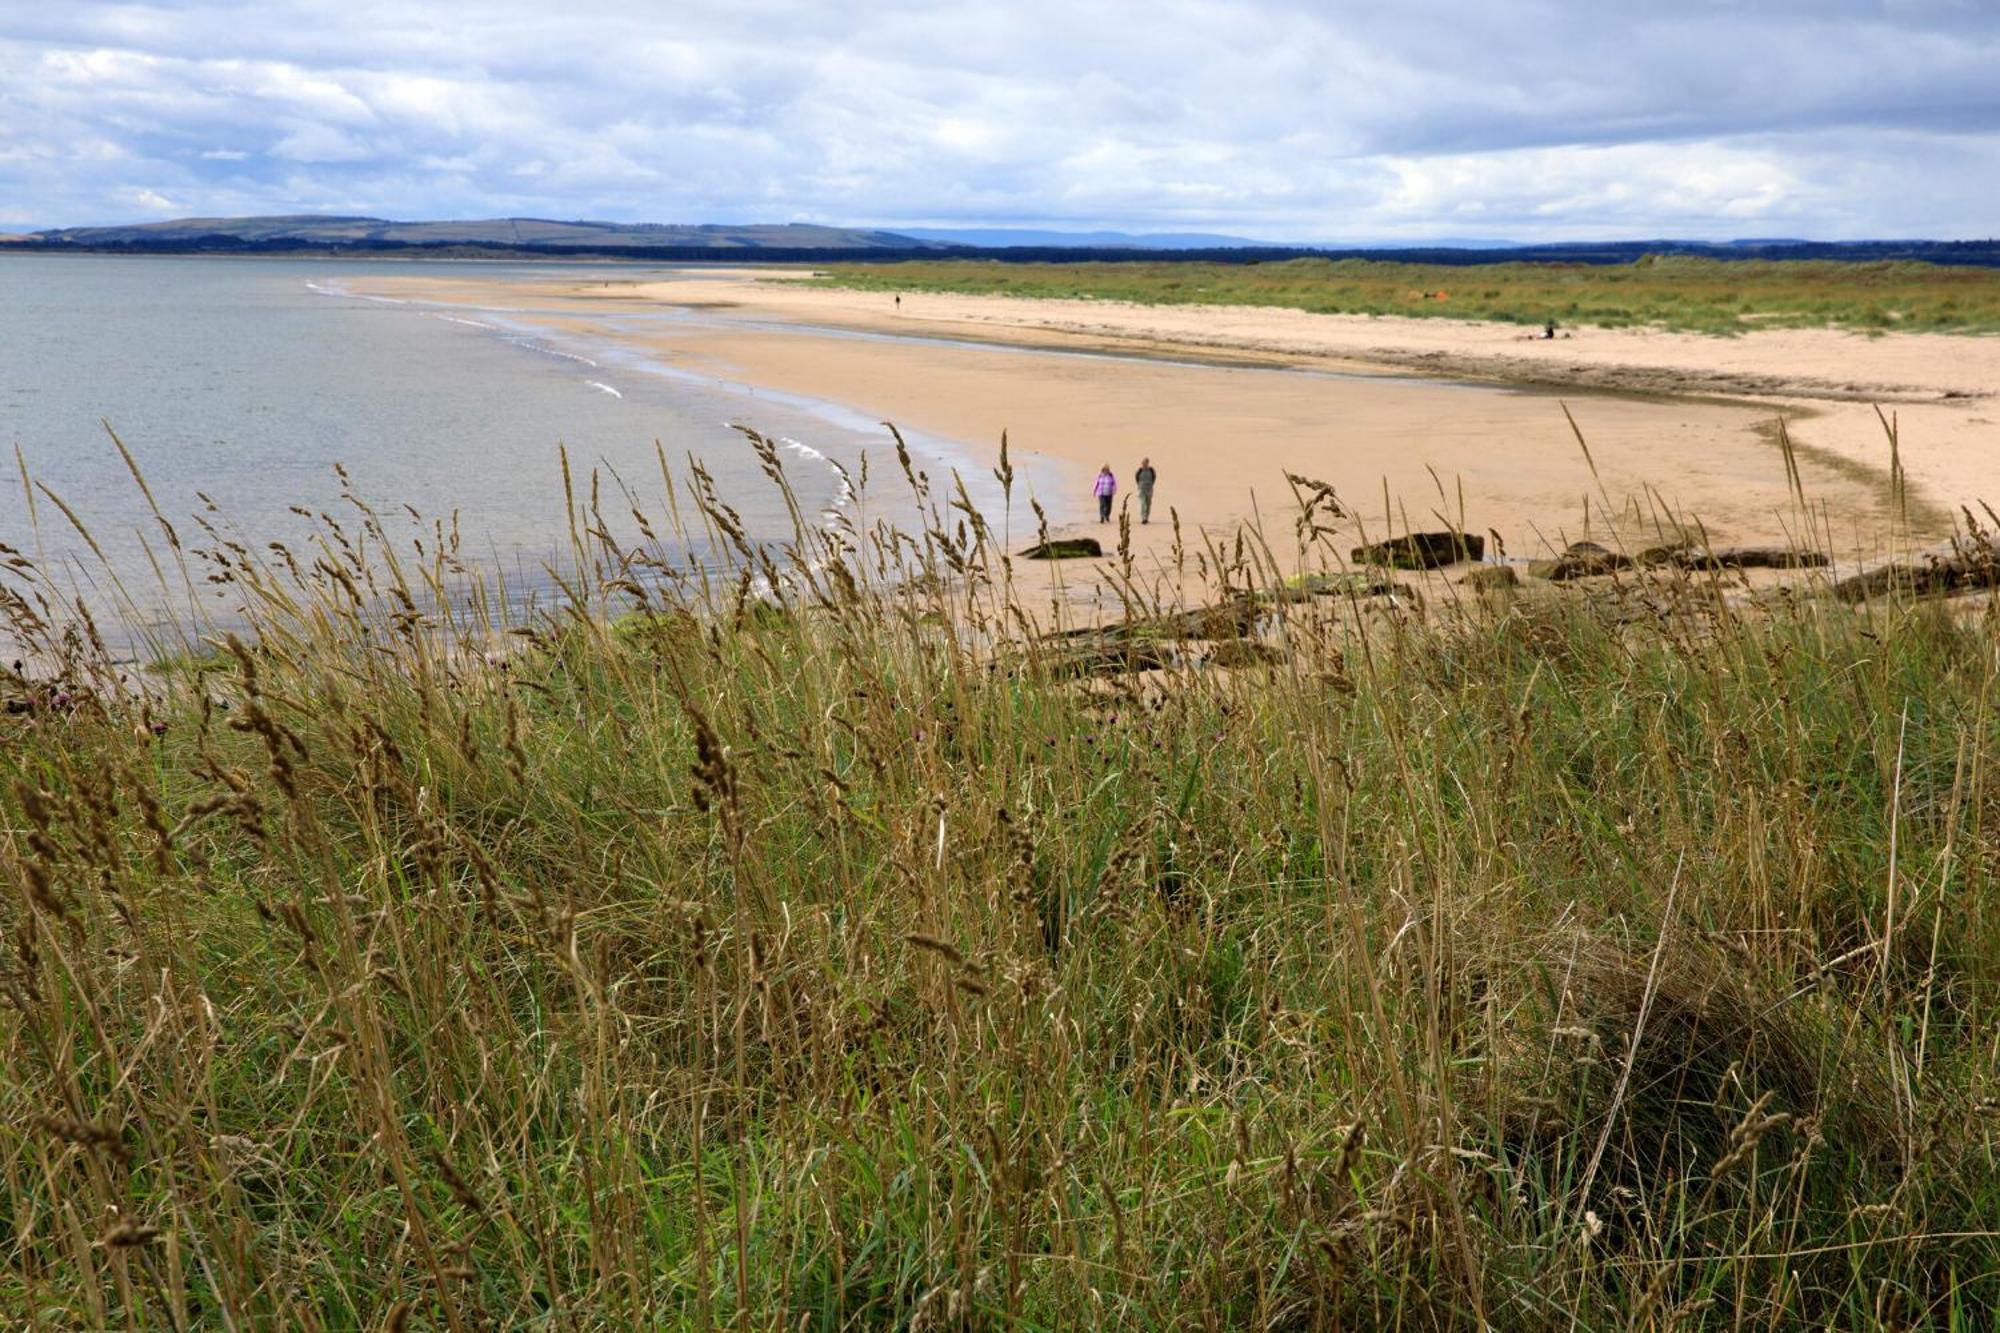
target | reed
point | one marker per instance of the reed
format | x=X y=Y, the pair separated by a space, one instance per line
x=771 y=934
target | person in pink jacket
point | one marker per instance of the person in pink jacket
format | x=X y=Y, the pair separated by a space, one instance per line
x=1106 y=487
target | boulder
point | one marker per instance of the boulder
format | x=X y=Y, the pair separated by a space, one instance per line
x=1752 y=557
x=1064 y=548
x=1242 y=653
x=1958 y=567
x=1422 y=550
x=1582 y=560
x=1360 y=584
x=1101 y=657
x=1229 y=619
x=1491 y=578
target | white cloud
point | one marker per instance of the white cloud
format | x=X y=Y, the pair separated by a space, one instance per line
x=155 y=202
x=309 y=142
x=1300 y=119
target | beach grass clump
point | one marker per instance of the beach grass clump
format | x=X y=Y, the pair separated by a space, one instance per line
x=767 y=939
x=1667 y=291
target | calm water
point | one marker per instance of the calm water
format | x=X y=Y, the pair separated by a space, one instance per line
x=247 y=380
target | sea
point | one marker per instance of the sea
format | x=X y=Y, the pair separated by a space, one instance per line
x=239 y=385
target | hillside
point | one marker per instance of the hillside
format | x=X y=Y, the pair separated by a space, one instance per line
x=512 y=235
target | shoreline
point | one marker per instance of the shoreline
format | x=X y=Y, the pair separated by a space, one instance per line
x=1455 y=418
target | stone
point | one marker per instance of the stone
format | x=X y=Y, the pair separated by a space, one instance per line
x=1065 y=548
x=1422 y=550
x=1582 y=560
x=1752 y=557
x=1491 y=578
x=1242 y=653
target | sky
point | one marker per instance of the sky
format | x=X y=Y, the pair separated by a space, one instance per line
x=1284 y=120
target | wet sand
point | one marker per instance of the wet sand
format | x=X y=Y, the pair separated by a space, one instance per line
x=1415 y=423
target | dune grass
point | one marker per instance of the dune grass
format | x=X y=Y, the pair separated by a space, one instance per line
x=1701 y=295
x=803 y=952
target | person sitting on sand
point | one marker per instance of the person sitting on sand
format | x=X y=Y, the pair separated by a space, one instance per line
x=1549 y=329
x=1106 y=487
x=1145 y=477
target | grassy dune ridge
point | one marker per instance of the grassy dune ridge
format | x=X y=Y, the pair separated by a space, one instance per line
x=1700 y=295
x=812 y=953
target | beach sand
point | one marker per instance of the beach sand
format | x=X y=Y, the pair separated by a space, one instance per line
x=1415 y=423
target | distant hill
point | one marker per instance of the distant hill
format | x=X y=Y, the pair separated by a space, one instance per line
x=804 y=243
x=993 y=238
x=317 y=232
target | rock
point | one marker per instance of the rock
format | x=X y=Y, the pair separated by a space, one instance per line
x=1491 y=578
x=1422 y=550
x=1752 y=557
x=1668 y=554
x=1064 y=548
x=1101 y=657
x=1952 y=568
x=1230 y=619
x=1361 y=584
x=1242 y=653
x=1582 y=560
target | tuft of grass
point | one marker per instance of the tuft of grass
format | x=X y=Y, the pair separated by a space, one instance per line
x=765 y=936
x=1674 y=292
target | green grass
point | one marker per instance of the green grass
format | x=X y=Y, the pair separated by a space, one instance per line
x=803 y=964
x=1702 y=295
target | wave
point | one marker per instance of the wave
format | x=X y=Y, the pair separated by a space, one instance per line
x=606 y=387
x=537 y=345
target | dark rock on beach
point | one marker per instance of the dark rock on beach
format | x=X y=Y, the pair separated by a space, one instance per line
x=1752 y=557
x=1358 y=584
x=1422 y=550
x=1581 y=560
x=1102 y=657
x=1959 y=566
x=1064 y=548
x=1491 y=578
x=1230 y=619
x=1239 y=653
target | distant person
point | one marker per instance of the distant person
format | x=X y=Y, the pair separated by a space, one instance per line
x=1549 y=330
x=1145 y=477
x=1106 y=487
x=899 y=301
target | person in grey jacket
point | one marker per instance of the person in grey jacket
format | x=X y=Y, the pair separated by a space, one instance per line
x=1145 y=479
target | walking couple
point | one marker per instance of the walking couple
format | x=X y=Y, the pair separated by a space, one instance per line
x=1107 y=486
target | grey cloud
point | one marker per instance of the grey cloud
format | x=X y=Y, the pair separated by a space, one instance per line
x=1283 y=118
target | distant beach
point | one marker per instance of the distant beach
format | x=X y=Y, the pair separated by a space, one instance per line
x=1416 y=423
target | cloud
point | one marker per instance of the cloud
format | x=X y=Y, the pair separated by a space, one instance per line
x=1288 y=119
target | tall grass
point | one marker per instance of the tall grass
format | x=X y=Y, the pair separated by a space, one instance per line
x=1675 y=292
x=783 y=940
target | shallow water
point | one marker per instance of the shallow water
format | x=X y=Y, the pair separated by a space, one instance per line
x=243 y=382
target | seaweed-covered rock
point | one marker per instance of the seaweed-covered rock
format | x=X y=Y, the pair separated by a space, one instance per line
x=1238 y=653
x=1582 y=560
x=1752 y=557
x=1064 y=548
x=1231 y=618
x=1102 y=657
x=1491 y=578
x=1422 y=550
x=1956 y=567
x=1360 y=583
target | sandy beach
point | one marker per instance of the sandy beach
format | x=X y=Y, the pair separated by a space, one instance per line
x=1415 y=423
